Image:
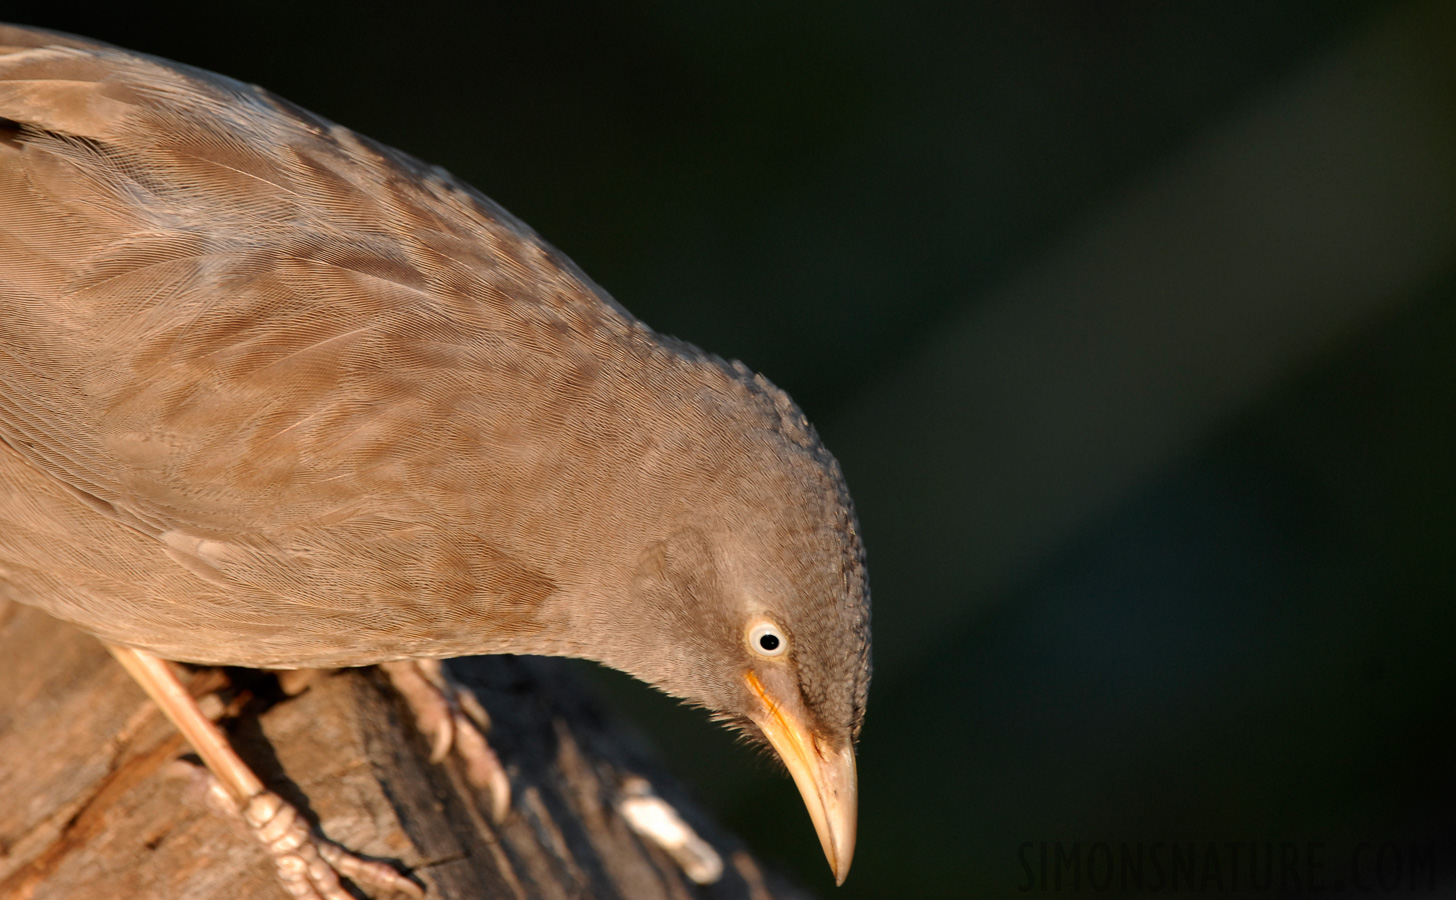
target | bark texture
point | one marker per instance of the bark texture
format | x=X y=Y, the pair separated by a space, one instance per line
x=95 y=804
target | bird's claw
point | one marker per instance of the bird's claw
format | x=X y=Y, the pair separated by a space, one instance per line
x=451 y=717
x=308 y=865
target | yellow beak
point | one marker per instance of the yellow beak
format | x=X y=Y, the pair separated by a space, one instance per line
x=825 y=775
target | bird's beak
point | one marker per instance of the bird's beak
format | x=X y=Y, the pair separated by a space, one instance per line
x=824 y=773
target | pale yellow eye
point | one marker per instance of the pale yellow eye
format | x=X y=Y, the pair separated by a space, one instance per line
x=767 y=640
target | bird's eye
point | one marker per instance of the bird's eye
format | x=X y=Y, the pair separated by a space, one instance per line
x=767 y=640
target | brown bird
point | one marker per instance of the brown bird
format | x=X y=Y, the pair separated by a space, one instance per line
x=274 y=395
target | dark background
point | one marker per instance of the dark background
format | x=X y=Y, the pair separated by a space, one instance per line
x=1132 y=324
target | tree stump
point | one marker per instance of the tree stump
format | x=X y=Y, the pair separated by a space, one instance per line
x=95 y=804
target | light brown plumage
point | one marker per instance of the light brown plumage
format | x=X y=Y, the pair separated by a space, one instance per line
x=274 y=395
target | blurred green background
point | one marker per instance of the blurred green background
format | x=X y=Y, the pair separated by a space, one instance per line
x=1131 y=323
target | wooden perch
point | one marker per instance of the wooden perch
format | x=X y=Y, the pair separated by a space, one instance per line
x=95 y=804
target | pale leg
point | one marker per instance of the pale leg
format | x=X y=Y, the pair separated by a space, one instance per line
x=308 y=866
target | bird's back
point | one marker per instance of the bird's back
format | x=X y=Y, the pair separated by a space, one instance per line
x=262 y=380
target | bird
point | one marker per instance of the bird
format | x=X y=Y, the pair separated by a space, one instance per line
x=275 y=395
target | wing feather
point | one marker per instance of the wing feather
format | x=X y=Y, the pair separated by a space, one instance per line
x=229 y=323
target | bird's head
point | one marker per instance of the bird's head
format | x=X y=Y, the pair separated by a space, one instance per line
x=754 y=604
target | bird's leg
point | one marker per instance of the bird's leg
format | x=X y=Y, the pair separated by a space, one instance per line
x=450 y=715
x=308 y=865
x=295 y=681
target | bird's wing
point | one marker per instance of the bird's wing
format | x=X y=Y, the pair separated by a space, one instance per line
x=233 y=325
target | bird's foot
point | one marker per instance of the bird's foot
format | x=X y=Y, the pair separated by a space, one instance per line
x=451 y=716
x=308 y=865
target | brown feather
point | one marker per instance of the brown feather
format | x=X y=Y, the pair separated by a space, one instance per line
x=272 y=394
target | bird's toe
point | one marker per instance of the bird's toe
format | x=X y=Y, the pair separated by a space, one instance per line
x=451 y=717
x=309 y=867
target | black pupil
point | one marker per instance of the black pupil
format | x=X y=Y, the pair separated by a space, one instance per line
x=769 y=642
